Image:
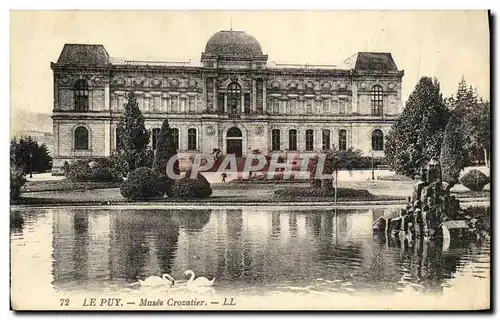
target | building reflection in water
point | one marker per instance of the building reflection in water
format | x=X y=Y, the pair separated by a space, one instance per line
x=241 y=247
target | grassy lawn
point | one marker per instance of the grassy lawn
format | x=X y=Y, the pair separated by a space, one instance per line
x=63 y=185
x=42 y=192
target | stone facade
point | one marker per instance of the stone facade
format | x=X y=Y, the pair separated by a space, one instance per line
x=352 y=104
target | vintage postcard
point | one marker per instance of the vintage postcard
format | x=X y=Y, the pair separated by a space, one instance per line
x=250 y=160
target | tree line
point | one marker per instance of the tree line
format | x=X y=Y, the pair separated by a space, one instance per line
x=455 y=130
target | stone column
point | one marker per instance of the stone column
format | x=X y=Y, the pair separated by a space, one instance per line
x=242 y=101
x=254 y=96
x=215 y=97
x=354 y=88
x=264 y=97
x=225 y=103
x=106 y=97
x=107 y=138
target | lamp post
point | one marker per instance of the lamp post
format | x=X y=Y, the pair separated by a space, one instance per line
x=373 y=169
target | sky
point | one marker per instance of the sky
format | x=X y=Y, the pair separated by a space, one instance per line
x=442 y=44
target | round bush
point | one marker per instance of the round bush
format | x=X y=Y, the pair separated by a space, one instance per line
x=474 y=180
x=142 y=183
x=187 y=188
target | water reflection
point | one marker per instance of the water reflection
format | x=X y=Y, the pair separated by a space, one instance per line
x=261 y=249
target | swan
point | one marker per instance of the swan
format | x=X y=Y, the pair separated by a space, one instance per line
x=154 y=281
x=200 y=281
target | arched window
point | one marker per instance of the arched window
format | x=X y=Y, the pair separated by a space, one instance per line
x=234 y=133
x=191 y=139
x=292 y=140
x=377 y=100
x=175 y=135
x=309 y=140
x=377 y=140
x=326 y=140
x=155 y=136
x=81 y=95
x=234 y=97
x=342 y=140
x=276 y=143
x=81 y=138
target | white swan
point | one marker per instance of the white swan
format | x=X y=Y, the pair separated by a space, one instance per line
x=154 y=281
x=200 y=281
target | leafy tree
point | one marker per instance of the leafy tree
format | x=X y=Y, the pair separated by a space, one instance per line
x=165 y=149
x=475 y=121
x=417 y=134
x=335 y=160
x=134 y=138
x=27 y=154
x=453 y=158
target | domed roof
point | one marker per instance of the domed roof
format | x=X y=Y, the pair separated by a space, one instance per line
x=233 y=43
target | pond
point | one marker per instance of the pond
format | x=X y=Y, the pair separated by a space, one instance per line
x=251 y=251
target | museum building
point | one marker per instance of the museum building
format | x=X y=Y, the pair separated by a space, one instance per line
x=235 y=100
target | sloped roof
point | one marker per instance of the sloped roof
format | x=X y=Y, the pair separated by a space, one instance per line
x=91 y=54
x=374 y=61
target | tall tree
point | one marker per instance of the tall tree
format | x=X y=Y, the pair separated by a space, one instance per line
x=134 y=137
x=165 y=149
x=453 y=157
x=417 y=135
x=474 y=115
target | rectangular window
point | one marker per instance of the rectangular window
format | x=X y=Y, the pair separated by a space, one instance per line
x=247 y=103
x=175 y=104
x=293 y=106
x=220 y=102
x=276 y=143
x=342 y=140
x=276 y=106
x=155 y=135
x=309 y=140
x=175 y=135
x=326 y=106
x=309 y=106
x=192 y=139
x=326 y=140
x=192 y=104
x=292 y=140
x=284 y=108
x=342 y=106
x=259 y=86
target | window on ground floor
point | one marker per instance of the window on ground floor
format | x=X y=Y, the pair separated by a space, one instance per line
x=309 y=140
x=155 y=135
x=377 y=140
x=342 y=140
x=326 y=140
x=81 y=138
x=191 y=139
x=275 y=137
x=175 y=135
x=292 y=140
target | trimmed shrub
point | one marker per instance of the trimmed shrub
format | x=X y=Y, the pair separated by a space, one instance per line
x=100 y=169
x=17 y=180
x=187 y=188
x=142 y=183
x=292 y=193
x=474 y=180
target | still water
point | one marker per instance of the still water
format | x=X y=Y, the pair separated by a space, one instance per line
x=251 y=250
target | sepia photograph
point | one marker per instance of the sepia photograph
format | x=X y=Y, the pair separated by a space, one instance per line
x=190 y=160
